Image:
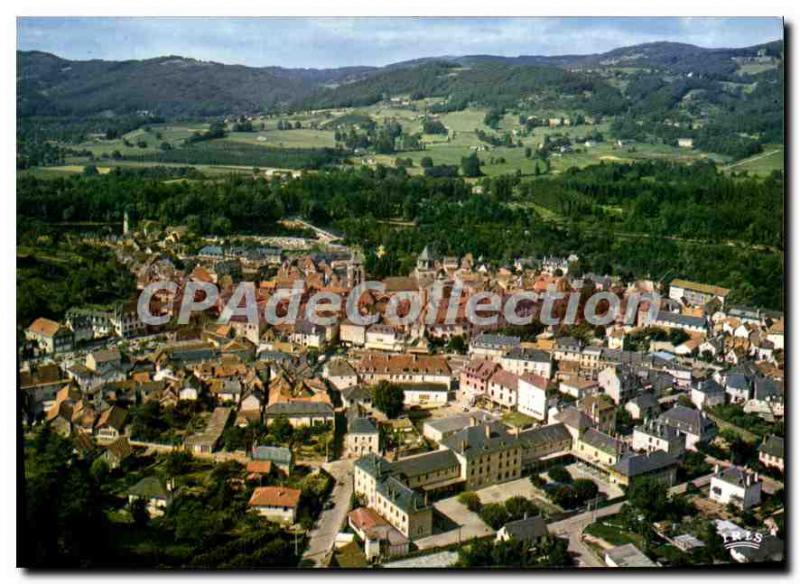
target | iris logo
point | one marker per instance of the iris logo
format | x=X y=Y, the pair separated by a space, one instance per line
x=742 y=538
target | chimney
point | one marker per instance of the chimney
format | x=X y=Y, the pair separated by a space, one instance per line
x=488 y=429
x=716 y=468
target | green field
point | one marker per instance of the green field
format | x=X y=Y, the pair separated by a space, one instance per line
x=269 y=147
x=761 y=164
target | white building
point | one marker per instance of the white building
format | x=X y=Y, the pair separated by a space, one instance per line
x=520 y=361
x=737 y=486
x=532 y=396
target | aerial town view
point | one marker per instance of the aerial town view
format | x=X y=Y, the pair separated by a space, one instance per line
x=479 y=299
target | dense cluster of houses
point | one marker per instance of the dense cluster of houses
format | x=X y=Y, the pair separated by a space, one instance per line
x=570 y=389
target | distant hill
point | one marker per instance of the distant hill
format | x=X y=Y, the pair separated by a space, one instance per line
x=167 y=86
x=172 y=86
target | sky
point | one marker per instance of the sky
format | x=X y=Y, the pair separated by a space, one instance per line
x=336 y=42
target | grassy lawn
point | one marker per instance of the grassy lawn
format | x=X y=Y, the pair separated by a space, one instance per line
x=518 y=419
x=613 y=533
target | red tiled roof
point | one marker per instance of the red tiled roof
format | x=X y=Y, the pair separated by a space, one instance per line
x=44 y=327
x=275 y=497
x=365 y=518
x=259 y=466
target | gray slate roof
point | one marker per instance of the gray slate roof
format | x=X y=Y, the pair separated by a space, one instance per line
x=299 y=408
x=401 y=496
x=638 y=464
x=424 y=463
x=276 y=454
x=528 y=529
x=773 y=446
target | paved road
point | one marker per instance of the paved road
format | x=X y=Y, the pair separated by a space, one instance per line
x=323 y=536
x=573 y=526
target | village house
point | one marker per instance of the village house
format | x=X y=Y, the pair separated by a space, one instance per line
x=599 y=449
x=382 y=337
x=357 y=394
x=208 y=440
x=340 y=374
x=375 y=367
x=362 y=435
x=503 y=389
x=577 y=387
x=300 y=412
x=307 y=334
x=381 y=540
x=51 y=336
x=425 y=394
x=601 y=411
x=696 y=294
x=352 y=335
x=770 y=452
x=474 y=379
x=685 y=322
x=528 y=530
x=619 y=382
x=520 y=361
x=117 y=452
x=278 y=504
x=653 y=435
x=643 y=406
x=492 y=346
x=693 y=425
x=111 y=424
x=153 y=492
x=532 y=395
x=735 y=485
x=707 y=394
x=657 y=465
x=440 y=428
x=279 y=456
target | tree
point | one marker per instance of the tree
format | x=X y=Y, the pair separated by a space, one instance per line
x=281 y=430
x=471 y=500
x=494 y=515
x=139 y=512
x=649 y=498
x=559 y=474
x=519 y=507
x=457 y=344
x=678 y=336
x=471 y=165
x=178 y=462
x=426 y=162
x=585 y=489
x=388 y=398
